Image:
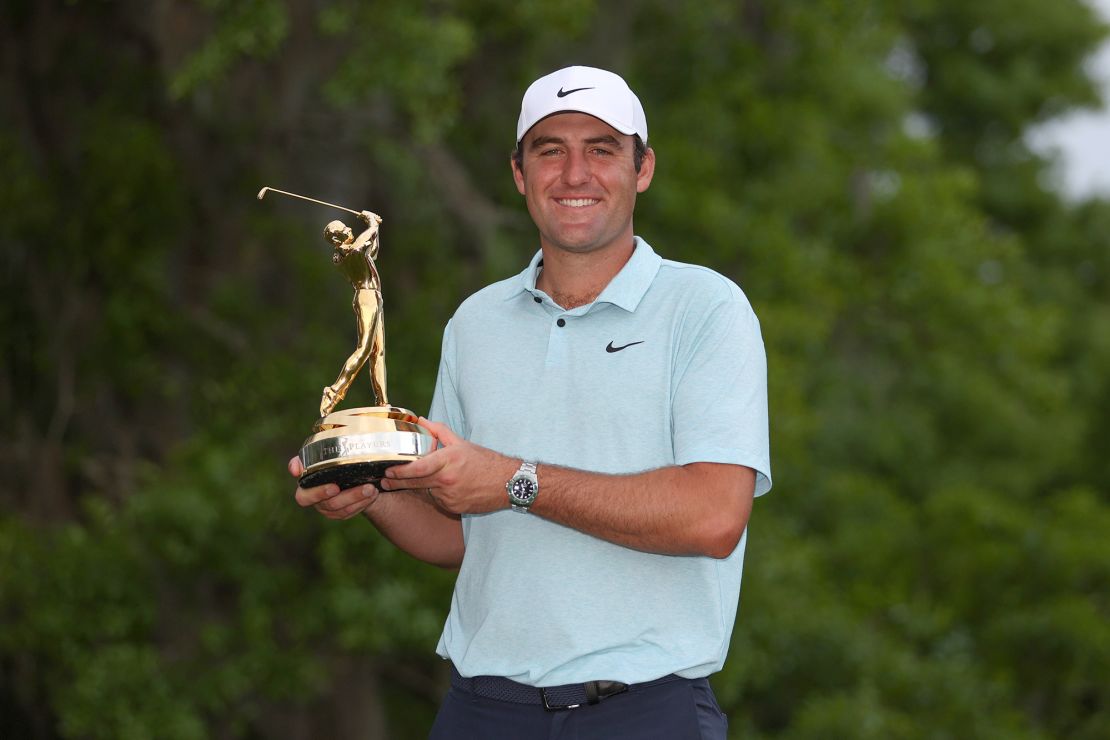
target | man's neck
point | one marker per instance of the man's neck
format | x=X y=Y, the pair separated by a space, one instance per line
x=574 y=280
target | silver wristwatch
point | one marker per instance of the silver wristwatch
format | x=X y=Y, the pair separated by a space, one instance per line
x=523 y=487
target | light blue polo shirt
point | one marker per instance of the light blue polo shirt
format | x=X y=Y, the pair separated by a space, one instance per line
x=666 y=367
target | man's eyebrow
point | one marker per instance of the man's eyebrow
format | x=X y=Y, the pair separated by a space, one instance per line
x=606 y=139
x=541 y=141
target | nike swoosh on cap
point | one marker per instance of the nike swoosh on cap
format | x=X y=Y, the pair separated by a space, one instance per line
x=610 y=348
x=563 y=93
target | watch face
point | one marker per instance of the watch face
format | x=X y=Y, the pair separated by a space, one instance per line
x=523 y=489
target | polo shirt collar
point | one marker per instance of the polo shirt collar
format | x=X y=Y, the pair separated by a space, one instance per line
x=625 y=290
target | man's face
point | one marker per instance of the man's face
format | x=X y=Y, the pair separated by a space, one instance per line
x=580 y=183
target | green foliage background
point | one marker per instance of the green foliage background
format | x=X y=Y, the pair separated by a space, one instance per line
x=933 y=561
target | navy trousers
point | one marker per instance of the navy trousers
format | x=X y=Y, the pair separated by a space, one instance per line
x=684 y=709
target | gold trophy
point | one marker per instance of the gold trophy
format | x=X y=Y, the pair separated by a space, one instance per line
x=355 y=446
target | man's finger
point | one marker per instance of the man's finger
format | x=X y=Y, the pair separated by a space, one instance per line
x=426 y=466
x=295 y=467
x=442 y=432
x=356 y=508
x=348 y=501
x=421 y=421
x=316 y=494
x=406 y=484
x=346 y=498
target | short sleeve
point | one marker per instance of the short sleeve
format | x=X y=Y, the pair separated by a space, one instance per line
x=719 y=397
x=446 y=404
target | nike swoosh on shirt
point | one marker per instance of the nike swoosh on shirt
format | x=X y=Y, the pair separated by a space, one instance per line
x=563 y=93
x=610 y=348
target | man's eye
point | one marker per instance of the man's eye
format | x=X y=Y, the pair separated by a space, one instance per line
x=602 y=152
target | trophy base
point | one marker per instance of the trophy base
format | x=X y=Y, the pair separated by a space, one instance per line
x=355 y=446
x=347 y=476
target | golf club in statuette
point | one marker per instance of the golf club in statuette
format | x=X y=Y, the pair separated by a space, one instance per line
x=355 y=446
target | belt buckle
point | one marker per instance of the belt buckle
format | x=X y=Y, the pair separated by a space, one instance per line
x=595 y=692
x=554 y=707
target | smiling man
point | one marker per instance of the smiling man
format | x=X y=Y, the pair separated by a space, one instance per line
x=602 y=427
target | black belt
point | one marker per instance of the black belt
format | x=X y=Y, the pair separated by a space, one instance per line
x=567 y=696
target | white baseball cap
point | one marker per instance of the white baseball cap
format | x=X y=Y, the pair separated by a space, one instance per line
x=589 y=90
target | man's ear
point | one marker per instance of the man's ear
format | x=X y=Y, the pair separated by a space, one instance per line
x=647 y=170
x=518 y=174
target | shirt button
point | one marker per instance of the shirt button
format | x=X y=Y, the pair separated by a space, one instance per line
x=537 y=299
x=561 y=322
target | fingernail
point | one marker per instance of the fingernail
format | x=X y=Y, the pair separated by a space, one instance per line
x=368 y=490
x=331 y=490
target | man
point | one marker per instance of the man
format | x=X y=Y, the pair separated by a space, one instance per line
x=617 y=402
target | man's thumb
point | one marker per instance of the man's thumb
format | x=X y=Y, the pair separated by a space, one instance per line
x=441 y=432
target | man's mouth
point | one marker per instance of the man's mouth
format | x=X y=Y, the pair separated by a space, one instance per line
x=577 y=202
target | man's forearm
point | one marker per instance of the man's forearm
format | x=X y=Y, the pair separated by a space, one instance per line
x=412 y=522
x=696 y=509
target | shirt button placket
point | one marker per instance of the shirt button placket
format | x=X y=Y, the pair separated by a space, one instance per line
x=557 y=344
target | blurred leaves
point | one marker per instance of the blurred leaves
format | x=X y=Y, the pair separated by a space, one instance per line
x=242 y=29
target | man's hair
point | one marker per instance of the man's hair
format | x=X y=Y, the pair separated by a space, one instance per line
x=639 y=149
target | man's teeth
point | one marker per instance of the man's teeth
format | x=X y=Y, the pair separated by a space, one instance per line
x=577 y=202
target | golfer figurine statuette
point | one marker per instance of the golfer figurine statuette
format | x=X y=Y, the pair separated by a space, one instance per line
x=355 y=446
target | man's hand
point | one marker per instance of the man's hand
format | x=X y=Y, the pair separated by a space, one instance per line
x=329 y=500
x=462 y=477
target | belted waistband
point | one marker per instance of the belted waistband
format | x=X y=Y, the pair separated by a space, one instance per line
x=566 y=696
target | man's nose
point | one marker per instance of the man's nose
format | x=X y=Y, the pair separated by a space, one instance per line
x=577 y=169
